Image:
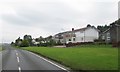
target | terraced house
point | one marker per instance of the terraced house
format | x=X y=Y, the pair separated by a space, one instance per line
x=86 y=34
x=115 y=33
x=112 y=34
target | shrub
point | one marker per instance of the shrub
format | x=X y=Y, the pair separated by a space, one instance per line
x=24 y=43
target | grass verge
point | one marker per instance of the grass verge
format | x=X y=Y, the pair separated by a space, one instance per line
x=85 y=57
x=0 y=48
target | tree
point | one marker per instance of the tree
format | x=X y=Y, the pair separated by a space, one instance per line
x=102 y=28
x=18 y=42
x=88 y=25
x=50 y=41
x=29 y=39
x=12 y=43
x=24 y=43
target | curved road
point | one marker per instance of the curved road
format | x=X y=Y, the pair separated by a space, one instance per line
x=21 y=61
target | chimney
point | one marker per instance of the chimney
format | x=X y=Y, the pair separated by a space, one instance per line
x=72 y=29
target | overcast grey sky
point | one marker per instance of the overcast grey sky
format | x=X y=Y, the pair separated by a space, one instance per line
x=48 y=17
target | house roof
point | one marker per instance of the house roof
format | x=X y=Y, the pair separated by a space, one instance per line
x=81 y=29
x=116 y=23
x=106 y=30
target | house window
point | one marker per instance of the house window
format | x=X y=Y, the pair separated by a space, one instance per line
x=82 y=38
x=81 y=31
x=103 y=37
x=73 y=39
x=74 y=35
x=108 y=38
x=69 y=39
x=108 y=34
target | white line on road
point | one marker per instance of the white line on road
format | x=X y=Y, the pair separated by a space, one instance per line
x=50 y=62
x=15 y=51
x=18 y=59
x=16 y=54
x=19 y=69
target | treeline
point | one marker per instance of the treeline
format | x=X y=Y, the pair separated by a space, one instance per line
x=29 y=41
x=49 y=41
x=102 y=28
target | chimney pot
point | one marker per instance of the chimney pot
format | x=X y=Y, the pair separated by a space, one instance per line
x=72 y=29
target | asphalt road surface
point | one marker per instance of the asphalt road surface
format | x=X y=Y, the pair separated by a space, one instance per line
x=18 y=60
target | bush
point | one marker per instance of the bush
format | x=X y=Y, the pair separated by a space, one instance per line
x=119 y=44
x=99 y=41
x=78 y=43
x=24 y=43
x=116 y=44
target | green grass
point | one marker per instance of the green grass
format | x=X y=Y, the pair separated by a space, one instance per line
x=85 y=57
x=0 y=48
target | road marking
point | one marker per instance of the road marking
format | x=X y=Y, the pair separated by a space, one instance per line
x=15 y=51
x=18 y=59
x=49 y=62
x=19 y=69
x=16 y=54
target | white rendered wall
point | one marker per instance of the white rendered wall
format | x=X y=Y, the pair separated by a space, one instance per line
x=91 y=34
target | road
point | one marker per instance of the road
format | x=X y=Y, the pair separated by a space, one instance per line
x=18 y=60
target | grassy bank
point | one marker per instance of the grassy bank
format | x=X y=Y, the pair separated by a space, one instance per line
x=0 y=48
x=86 y=57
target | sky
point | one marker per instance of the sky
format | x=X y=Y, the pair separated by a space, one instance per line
x=119 y=9
x=49 y=17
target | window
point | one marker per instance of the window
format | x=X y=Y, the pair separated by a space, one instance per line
x=108 y=34
x=74 y=35
x=82 y=38
x=108 y=38
x=69 y=39
x=73 y=39
x=81 y=31
x=103 y=37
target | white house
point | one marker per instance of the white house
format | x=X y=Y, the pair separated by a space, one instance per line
x=35 y=42
x=87 y=34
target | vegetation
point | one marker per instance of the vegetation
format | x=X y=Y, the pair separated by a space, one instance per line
x=28 y=41
x=0 y=48
x=102 y=28
x=24 y=43
x=85 y=57
x=49 y=41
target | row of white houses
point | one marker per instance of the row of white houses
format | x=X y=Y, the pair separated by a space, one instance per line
x=86 y=34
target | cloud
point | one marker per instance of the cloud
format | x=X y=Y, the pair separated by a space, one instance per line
x=119 y=9
x=103 y=13
x=48 y=17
